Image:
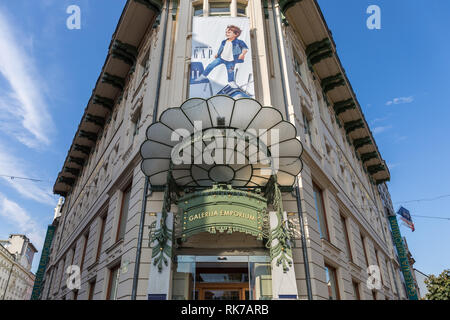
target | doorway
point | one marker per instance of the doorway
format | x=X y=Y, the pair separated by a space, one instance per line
x=222 y=278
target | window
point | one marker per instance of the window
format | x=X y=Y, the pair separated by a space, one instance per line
x=379 y=266
x=91 y=289
x=297 y=65
x=113 y=283
x=346 y=240
x=136 y=123
x=83 y=254
x=123 y=217
x=100 y=240
x=364 y=250
x=374 y=295
x=356 y=293
x=331 y=278
x=307 y=126
x=320 y=211
x=219 y=8
x=198 y=10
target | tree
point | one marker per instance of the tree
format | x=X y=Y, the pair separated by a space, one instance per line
x=439 y=287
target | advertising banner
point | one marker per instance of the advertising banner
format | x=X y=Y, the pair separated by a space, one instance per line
x=406 y=218
x=221 y=61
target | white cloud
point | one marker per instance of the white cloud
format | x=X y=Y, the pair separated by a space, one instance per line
x=23 y=109
x=9 y=165
x=400 y=100
x=24 y=223
x=378 y=130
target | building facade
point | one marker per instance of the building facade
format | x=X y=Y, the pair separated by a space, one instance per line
x=16 y=258
x=331 y=220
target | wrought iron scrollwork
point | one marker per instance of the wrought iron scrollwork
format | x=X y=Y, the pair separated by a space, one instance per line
x=282 y=249
x=162 y=251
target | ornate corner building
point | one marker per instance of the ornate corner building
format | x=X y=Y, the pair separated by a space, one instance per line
x=140 y=225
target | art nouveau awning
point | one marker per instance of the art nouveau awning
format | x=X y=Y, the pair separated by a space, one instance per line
x=207 y=134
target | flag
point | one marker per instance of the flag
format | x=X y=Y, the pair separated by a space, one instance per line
x=406 y=217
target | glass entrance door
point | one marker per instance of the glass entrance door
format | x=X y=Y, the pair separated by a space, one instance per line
x=222 y=278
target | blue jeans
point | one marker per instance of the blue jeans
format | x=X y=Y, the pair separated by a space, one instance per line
x=218 y=61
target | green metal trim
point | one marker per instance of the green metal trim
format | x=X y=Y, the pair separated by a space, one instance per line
x=175 y=4
x=368 y=156
x=163 y=250
x=83 y=149
x=265 y=4
x=75 y=172
x=104 y=102
x=113 y=80
x=358 y=143
x=332 y=82
x=88 y=135
x=287 y=4
x=353 y=125
x=124 y=51
x=99 y=121
x=154 y=5
x=283 y=249
x=342 y=106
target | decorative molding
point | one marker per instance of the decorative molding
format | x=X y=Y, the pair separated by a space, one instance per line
x=113 y=80
x=332 y=82
x=287 y=4
x=154 y=5
x=125 y=52
x=103 y=101
x=358 y=143
x=319 y=51
x=353 y=125
x=342 y=106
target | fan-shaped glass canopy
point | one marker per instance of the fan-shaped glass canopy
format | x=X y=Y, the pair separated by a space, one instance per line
x=221 y=140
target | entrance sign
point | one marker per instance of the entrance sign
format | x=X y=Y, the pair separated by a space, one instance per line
x=222 y=209
x=221 y=61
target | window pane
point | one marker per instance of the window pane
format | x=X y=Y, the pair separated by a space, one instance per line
x=320 y=212
x=124 y=213
x=114 y=277
x=183 y=281
x=331 y=282
x=356 y=291
x=219 y=7
x=260 y=281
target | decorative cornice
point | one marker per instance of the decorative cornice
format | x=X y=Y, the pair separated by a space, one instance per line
x=78 y=161
x=376 y=168
x=88 y=135
x=84 y=149
x=65 y=180
x=154 y=5
x=353 y=125
x=99 y=121
x=318 y=51
x=113 y=80
x=368 y=156
x=332 y=82
x=75 y=172
x=104 y=102
x=358 y=143
x=342 y=106
x=286 y=4
x=124 y=51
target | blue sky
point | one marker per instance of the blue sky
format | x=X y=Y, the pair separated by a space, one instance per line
x=399 y=73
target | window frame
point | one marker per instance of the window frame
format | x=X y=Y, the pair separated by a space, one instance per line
x=112 y=270
x=316 y=187
x=100 y=240
x=356 y=290
x=125 y=191
x=347 y=239
x=333 y=271
x=363 y=238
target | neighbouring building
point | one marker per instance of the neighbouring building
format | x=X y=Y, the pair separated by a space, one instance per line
x=16 y=259
x=305 y=224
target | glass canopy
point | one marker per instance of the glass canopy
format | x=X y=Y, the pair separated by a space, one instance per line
x=221 y=140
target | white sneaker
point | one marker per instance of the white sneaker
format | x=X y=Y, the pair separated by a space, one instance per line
x=233 y=84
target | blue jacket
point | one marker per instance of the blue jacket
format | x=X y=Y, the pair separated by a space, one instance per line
x=238 y=47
